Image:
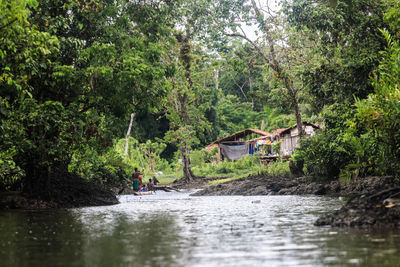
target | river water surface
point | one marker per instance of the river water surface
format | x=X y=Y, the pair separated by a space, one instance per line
x=175 y=229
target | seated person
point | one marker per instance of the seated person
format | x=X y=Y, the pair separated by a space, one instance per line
x=144 y=188
x=155 y=180
x=150 y=185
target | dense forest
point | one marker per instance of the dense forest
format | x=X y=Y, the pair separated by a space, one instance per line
x=96 y=88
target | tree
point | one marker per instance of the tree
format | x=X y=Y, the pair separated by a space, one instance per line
x=79 y=69
x=183 y=109
x=229 y=16
x=379 y=113
x=241 y=75
x=348 y=40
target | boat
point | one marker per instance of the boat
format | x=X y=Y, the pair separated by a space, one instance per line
x=143 y=193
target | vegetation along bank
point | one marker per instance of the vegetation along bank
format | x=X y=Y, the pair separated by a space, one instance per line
x=89 y=91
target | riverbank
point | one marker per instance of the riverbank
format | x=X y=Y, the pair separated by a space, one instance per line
x=373 y=201
x=267 y=185
x=68 y=191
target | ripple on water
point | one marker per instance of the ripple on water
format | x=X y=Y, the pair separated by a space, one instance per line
x=174 y=229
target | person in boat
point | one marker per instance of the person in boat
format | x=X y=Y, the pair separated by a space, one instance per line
x=144 y=188
x=140 y=180
x=150 y=185
x=136 y=176
x=155 y=180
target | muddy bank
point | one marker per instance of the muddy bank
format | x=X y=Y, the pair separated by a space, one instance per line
x=378 y=209
x=68 y=191
x=265 y=185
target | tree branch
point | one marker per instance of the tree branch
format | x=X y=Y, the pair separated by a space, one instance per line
x=262 y=54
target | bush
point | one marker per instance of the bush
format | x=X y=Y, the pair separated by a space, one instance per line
x=279 y=169
x=246 y=164
x=330 y=150
x=108 y=169
x=380 y=112
x=323 y=155
x=10 y=173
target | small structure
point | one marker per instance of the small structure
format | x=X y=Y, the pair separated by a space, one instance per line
x=236 y=145
x=257 y=142
x=290 y=137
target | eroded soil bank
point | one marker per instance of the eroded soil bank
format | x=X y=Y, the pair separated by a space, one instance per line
x=67 y=191
x=373 y=201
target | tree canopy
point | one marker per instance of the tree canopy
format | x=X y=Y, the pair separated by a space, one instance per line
x=72 y=72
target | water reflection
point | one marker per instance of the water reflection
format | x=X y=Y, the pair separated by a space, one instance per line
x=178 y=230
x=151 y=240
x=45 y=238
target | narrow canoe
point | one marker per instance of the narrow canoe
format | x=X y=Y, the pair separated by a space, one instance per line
x=142 y=193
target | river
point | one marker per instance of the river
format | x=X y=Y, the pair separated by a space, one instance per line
x=175 y=229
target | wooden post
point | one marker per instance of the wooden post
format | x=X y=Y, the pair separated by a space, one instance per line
x=128 y=133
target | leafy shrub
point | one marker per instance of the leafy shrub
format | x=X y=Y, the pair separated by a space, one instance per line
x=10 y=173
x=246 y=164
x=330 y=150
x=108 y=169
x=380 y=112
x=278 y=169
x=323 y=155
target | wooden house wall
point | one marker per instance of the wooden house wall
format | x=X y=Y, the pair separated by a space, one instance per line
x=290 y=141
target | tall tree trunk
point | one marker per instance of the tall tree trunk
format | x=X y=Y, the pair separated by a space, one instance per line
x=295 y=104
x=250 y=90
x=216 y=77
x=188 y=175
x=185 y=50
x=128 y=134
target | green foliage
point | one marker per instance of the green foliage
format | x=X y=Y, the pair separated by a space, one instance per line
x=69 y=74
x=234 y=116
x=24 y=49
x=321 y=156
x=278 y=169
x=343 y=149
x=108 y=169
x=380 y=112
x=144 y=156
x=276 y=146
x=348 y=40
x=201 y=157
x=392 y=15
x=245 y=165
x=325 y=154
x=278 y=121
x=10 y=172
x=72 y=72
x=241 y=75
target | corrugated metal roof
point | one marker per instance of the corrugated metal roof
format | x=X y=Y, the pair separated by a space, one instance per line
x=304 y=123
x=237 y=135
x=243 y=133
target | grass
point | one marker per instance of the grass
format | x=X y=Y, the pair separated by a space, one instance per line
x=221 y=181
x=228 y=171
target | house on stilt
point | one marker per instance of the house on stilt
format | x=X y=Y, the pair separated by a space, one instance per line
x=236 y=145
x=259 y=143
x=290 y=137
